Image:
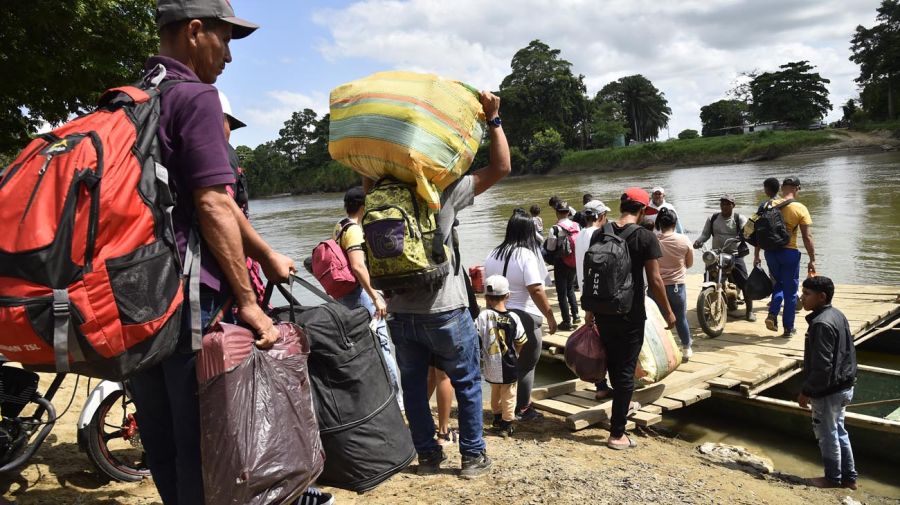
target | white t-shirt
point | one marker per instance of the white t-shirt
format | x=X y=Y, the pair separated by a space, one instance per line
x=526 y=268
x=582 y=243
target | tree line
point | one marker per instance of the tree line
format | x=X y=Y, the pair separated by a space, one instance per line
x=547 y=110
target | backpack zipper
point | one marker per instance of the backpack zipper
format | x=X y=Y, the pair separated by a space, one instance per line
x=403 y=213
x=37 y=186
x=340 y=324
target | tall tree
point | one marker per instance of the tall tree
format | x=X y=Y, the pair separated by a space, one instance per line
x=542 y=93
x=607 y=124
x=298 y=133
x=646 y=108
x=723 y=117
x=877 y=52
x=795 y=95
x=59 y=56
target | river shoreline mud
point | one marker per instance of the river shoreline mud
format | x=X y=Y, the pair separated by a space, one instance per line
x=543 y=462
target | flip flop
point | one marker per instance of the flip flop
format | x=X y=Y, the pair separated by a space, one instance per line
x=622 y=447
x=633 y=407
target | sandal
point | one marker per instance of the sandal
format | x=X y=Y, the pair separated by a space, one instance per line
x=622 y=447
x=633 y=407
x=449 y=438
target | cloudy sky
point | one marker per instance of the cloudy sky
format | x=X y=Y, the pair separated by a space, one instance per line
x=693 y=51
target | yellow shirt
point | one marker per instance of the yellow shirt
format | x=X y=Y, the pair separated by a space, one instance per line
x=351 y=239
x=794 y=215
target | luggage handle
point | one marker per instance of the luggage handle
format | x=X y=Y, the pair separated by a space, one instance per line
x=287 y=292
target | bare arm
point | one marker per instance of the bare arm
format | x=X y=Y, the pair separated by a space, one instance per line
x=659 y=291
x=275 y=265
x=756 y=260
x=540 y=299
x=689 y=258
x=500 y=165
x=704 y=235
x=222 y=234
x=358 y=267
x=806 y=233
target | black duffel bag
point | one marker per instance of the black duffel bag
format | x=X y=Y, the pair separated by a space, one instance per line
x=363 y=432
x=758 y=285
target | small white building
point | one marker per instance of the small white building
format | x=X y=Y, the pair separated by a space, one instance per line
x=760 y=127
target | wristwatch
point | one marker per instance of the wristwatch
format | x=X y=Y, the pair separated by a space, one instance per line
x=494 y=123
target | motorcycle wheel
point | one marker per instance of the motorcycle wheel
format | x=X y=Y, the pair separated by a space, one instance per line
x=113 y=442
x=711 y=311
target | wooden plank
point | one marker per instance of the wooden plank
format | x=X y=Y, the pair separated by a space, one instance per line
x=577 y=400
x=558 y=407
x=641 y=418
x=586 y=394
x=653 y=409
x=555 y=389
x=674 y=382
x=690 y=396
x=691 y=366
x=667 y=404
x=722 y=382
x=772 y=381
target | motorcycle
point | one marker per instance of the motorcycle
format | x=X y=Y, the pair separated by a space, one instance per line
x=718 y=294
x=107 y=429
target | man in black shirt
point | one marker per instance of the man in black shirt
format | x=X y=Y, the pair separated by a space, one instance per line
x=623 y=335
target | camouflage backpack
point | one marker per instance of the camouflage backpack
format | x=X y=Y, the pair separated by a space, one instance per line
x=404 y=248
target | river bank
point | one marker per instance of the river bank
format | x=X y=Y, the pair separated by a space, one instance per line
x=543 y=462
x=760 y=146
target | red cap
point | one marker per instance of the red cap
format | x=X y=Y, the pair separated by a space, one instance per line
x=636 y=194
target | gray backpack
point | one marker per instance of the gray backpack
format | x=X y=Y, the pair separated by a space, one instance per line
x=608 y=287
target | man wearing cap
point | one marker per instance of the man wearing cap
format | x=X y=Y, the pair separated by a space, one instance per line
x=194 y=38
x=721 y=226
x=623 y=334
x=658 y=201
x=564 y=265
x=784 y=263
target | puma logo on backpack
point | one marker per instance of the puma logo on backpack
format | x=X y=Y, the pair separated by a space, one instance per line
x=769 y=229
x=90 y=278
x=608 y=286
x=404 y=248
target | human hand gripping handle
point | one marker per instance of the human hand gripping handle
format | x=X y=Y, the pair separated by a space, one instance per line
x=670 y=320
x=277 y=267
x=491 y=104
x=254 y=317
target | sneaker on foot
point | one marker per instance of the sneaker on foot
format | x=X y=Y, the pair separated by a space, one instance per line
x=529 y=413
x=576 y=320
x=498 y=418
x=789 y=333
x=772 y=322
x=506 y=428
x=751 y=317
x=564 y=326
x=315 y=496
x=430 y=463
x=475 y=466
x=849 y=484
x=686 y=354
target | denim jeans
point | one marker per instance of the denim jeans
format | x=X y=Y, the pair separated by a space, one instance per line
x=677 y=295
x=834 y=442
x=564 y=278
x=359 y=298
x=450 y=338
x=784 y=267
x=168 y=412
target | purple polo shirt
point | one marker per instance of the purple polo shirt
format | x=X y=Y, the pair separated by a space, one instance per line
x=194 y=150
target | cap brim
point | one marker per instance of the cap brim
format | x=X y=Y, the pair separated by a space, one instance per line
x=240 y=28
x=234 y=123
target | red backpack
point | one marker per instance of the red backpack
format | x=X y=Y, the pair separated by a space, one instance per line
x=90 y=278
x=568 y=247
x=331 y=266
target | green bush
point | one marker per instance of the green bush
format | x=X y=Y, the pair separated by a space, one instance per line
x=547 y=149
x=688 y=134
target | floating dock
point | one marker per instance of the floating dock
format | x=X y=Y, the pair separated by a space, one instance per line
x=744 y=361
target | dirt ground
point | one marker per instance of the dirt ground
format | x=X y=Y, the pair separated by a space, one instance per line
x=543 y=462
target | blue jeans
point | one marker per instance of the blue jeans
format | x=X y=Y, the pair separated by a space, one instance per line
x=168 y=413
x=359 y=298
x=449 y=337
x=834 y=442
x=677 y=295
x=784 y=267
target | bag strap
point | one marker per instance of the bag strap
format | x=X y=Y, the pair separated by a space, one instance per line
x=346 y=223
x=629 y=230
x=783 y=204
x=506 y=263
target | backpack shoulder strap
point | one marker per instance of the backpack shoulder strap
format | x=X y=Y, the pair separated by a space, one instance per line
x=783 y=204
x=713 y=218
x=629 y=231
x=346 y=223
x=506 y=263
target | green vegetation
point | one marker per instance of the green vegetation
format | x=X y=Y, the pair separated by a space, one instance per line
x=870 y=126
x=875 y=50
x=726 y=149
x=688 y=134
x=794 y=95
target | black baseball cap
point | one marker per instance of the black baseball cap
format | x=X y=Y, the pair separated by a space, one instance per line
x=169 y=11
x=562 y=206
x=355 y=195
x=791 y=181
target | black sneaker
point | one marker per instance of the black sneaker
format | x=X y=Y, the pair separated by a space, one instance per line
x=529 y=413
x=475 y=466
x=576 y=320
x=315 y=496
x=789 y=333
x=498 y=418
x=430 y=463
x=506 y=429
x=564 y=326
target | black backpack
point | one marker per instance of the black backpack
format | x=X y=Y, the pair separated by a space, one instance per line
x=769 y=231
x=608 y=286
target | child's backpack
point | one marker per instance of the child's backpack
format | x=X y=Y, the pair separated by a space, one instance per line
x=608 y=286
x=565 y=249
x=404 y=248
x=331 y=266
x=769 y=230
x=90 y=277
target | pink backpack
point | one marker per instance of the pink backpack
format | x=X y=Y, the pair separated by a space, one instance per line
x=571 y=235
x=331 y=266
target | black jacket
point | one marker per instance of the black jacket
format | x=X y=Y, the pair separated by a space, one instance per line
x=829 y=357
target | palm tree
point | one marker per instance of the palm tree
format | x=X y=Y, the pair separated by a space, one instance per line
x=646 y=108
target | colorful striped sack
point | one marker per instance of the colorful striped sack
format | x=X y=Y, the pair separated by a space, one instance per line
x=661 y=352
x=419 y=128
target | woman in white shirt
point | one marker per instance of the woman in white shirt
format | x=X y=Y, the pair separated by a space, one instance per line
x=519 y=260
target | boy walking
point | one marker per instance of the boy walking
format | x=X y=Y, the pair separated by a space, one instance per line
x=829 y=373
x=502 y=337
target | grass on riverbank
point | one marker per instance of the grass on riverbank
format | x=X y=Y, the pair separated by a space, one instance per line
x=727 y=149
x=891 y=126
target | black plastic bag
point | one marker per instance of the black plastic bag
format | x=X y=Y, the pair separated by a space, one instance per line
x=259 y=434
x=759 y=285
